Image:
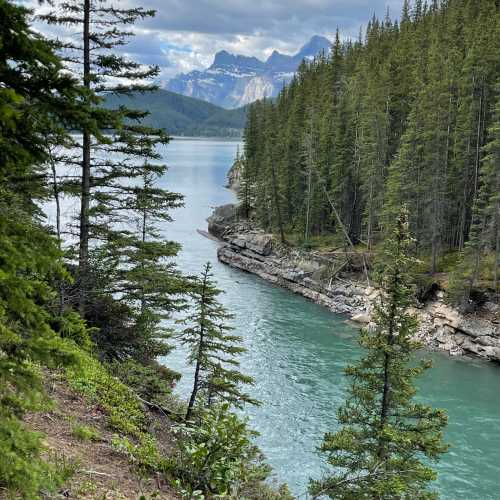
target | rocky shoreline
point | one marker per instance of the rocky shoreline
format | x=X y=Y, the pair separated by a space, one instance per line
x=310 y=275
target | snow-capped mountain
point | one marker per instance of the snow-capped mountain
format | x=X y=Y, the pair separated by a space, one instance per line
x=233 y=80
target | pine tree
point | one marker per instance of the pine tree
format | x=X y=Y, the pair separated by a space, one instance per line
x=491 y=183
x=116 y=159
x=213 y=350
x=36 y=99
x=386 y=439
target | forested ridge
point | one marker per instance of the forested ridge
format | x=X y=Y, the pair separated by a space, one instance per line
x=91 y=299
x=406 y=114
x=185 y=116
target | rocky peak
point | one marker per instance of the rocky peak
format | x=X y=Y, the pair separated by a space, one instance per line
x=236 y=80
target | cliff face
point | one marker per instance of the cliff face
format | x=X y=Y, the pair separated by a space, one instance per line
x=310 y=275
x=233 y=81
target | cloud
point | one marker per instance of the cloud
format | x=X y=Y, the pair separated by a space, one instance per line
x=185 y=34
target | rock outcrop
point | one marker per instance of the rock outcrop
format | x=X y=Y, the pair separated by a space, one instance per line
x=441 y=326
x=221 y=219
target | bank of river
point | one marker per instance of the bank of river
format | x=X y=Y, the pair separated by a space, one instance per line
x=297 y=351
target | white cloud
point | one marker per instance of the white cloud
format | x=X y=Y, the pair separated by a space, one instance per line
x=185 y=34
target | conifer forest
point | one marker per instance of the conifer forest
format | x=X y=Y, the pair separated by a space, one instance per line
x=135 y=363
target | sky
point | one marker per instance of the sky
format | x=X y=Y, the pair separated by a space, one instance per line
x=185 y=34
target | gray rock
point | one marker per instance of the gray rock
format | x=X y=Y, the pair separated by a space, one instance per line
x=362 y=318
x=221 y=219
x=261 y=244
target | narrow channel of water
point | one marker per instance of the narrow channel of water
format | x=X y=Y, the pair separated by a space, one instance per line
x=297 y=352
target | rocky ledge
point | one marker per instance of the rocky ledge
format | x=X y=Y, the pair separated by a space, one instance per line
x=317 y=277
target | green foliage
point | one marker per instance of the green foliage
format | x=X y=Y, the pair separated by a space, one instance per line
x=36 y=98
x=213 y=350
x=85 y=432
x=144 y=453
x=22 y=471
x=184 y=116
x=406 y=114
x=152 y=382
x=217 y=457
x=125 y=413
x=386 y=439
x=71 y=326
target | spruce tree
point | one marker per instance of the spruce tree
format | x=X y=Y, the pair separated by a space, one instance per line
x=213 y=350
x=116 y=160
x=386 y=438
x=491 y=183
x=36 y=99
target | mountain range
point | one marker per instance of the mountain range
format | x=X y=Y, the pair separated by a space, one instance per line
x=184 y=116
x=233 y=81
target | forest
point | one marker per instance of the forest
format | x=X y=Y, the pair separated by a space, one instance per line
x=90 y=299
x=184 y=116
x=397 y=134
x=409 y=113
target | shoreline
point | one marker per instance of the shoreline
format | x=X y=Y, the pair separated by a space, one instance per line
x=310 y=274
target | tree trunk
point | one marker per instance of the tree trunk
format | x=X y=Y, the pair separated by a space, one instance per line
x=386 y=395
x=497 y=252
x=201 y=345
x=83 y=260
x=277 y=203
x=55 y=190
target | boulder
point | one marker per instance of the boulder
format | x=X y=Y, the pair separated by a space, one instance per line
x=362 y=318
x=259 y=243
x=221 y=218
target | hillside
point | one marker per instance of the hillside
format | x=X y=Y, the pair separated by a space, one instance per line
x=409 y=115
x=185 y=116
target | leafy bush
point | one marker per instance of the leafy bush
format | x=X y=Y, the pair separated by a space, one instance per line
x=153 y=382
x=144 y=454
x=217 y=458
x=85 y=433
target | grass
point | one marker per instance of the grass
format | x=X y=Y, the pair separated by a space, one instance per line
x=85 y=432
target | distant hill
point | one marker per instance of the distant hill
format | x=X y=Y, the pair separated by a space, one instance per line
x=185 y=116
x=234 y=80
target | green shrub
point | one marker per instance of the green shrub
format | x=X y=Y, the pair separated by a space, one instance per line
x=71 y=326
x=153 y=382
x=125 y=412
x=85 y=433
x=144 y=454
x=218 y=458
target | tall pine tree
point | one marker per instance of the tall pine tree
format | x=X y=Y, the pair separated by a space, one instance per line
x=386 y=438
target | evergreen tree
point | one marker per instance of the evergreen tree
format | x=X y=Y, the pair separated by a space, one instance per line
x=36 y=98
x=401 y=116
x=386 y=438
x=116 y=160
x=491 y=183
x=213 y=349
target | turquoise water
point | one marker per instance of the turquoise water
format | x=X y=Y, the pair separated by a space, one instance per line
x=297 y=352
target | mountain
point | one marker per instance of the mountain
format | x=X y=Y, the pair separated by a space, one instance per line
x=234 y=80
x=181 y=115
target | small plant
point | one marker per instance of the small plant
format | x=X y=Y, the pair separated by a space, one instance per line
x=145 y=455
x=125 y=413
x=217 y=458
x=85 y=433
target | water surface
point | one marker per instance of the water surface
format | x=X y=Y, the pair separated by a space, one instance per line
x=297 y=351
